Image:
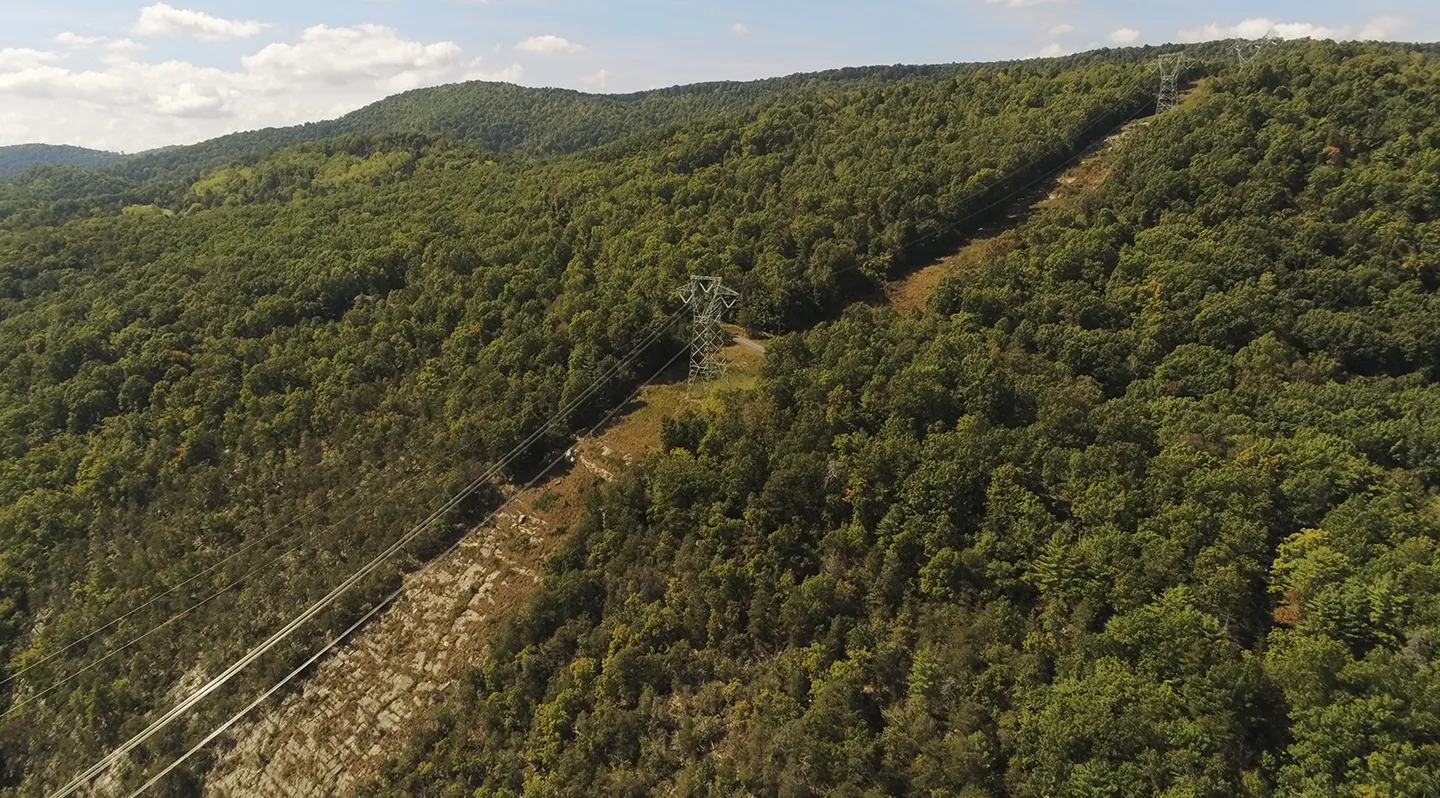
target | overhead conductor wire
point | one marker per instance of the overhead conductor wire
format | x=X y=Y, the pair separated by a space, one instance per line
x=318 y=606
x=278 y=686
x=36 y=696
x=414 y=532
x=14 y=708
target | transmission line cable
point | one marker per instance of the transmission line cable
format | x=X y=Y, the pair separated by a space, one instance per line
x=1028 y=166
x=174 y=588
x=370 y=566
x=263 y=538
x=318 y=606
x=34 y=697
x=403 y=482
x=1131 y=108
x=951 y=226
x=209 y=569
x=278 y=686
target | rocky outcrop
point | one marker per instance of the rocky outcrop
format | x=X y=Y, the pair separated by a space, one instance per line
x=361 y=703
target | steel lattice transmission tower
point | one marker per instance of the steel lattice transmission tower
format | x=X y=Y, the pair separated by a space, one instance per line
x=1247 y=49
x=1171 y=65
x=708 y=299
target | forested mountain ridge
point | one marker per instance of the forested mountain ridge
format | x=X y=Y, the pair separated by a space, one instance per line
x=535 y=121
x=271 y=370
x=16 y=158
x=498 y=116
x=1146 y=506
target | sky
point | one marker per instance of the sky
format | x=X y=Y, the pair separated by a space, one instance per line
x=129 y=76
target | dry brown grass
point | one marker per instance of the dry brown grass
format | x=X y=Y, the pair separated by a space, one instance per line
x=1195 y=93
x=913 y=292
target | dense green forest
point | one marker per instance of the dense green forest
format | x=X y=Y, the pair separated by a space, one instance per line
x=260 y=375
x=1146 y=506
x=17 y=158
x=502 y=116
x=498 y=116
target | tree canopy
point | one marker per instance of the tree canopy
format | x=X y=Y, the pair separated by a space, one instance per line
x=17 y=158
x=1146 y=505
x=259 y=375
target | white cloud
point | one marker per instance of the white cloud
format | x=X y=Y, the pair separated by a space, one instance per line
x=548 y=45
x=110 y=49
x=21 y=58
x=172 y=88
x=122 y=46
x=123 y=103
x=598 y=80
x=1050 y=50
x=162 y=19
x=75 y=40
x=739 y=29
x=1384 y=27
x=340 y=55
x=1063 y=29
x=477 y=71
x=1124 y=36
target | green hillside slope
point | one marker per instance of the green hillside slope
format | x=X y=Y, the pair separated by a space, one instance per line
x=259 y=378
x=502 y=117
x=17 y=158
x=1147 y=506
x=536 y=121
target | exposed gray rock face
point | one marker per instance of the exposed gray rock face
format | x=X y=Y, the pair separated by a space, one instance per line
x=361 y=703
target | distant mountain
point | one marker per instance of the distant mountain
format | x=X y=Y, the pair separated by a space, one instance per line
x=497 y=116
x=19 y=157
x=503 y=116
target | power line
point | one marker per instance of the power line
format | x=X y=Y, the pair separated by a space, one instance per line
x=275 y=688
x=1076 y=152
x=224 y=727
x=318 y=606
x=953 y=225
x=708 y=298
x=705 y=369
x=15 y=708
x=236 y=553
x=1246 y=50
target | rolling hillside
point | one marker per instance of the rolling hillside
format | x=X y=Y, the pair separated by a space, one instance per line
x=246 y=364
x=505 y=117
x=19 y=157
x=1138 y=497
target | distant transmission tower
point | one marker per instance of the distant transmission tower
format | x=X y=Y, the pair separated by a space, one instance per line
x=708 y=299
x=1247 y=49
x=1171 y=65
